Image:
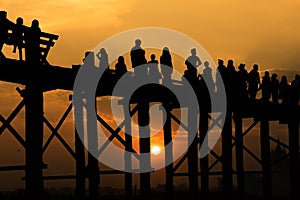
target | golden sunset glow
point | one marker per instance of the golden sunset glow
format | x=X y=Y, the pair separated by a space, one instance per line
x=251 y=31
x=155 y=150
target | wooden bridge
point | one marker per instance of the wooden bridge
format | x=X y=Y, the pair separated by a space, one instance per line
x=42 y=77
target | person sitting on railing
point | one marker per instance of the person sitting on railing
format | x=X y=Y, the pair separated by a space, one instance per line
x=5 y=26
x=18 y=36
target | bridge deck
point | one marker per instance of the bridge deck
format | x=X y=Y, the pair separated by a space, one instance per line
x=56 y=77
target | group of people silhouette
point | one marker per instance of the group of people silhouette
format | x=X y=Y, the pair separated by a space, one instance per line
x=240 y=85
x=21 y=37
x=243 y=86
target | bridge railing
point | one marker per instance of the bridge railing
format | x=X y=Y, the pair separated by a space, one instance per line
x=47 y=40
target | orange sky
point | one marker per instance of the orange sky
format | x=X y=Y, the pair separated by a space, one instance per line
x=264 y=32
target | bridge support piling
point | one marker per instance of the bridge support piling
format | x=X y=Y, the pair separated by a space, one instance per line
x=227 y=180
x=34 y=109
x=203 y=125
x=238 y=121
x=294 y=164
x=92 y=168
x=192 y=152
x=127 y=155
x=168 y=151
x=265 y=159
x=79 y=151
x=144 y=131
x=80 y=167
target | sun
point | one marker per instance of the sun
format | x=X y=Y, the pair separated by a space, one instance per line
x=155 y=150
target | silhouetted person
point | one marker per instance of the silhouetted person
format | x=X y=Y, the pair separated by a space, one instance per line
x=266 y=87
x=32 y=42
x=242 y=75
x=233 y=81
x=103 y=59
x=88 y=60
x=5 y=25
x=90 y=70
x=154 y=73
x=120 y=66
x=254 y=82
x=295 y=90
x=137 y=56
x=284 y=90
x=166 y=65
x=192 y=62
x=274 y=88
x=207 y=76
x=17 y=37
x=222 y=77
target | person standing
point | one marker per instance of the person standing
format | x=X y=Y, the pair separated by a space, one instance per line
x=192 y=62
x=254 y=82
x=207 y=76
x=120 y=67
x=5 y=25
x=242 y=75
x=137 y=56
x=32 y=43
x=166 y=65
x=284 y=90
x=18 y=36
x=274 y=88
x=266 y=87
x=103 y=59
x=154 y=73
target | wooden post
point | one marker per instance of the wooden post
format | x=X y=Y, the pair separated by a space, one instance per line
x=168 y=151
x=265 y=158
x=204 y=161
x=145 y=165
x=93 y=169
x=34 y=141
x=127 y=155
x=80 y=168
x=227 y=155
x=80 y=155
x=293 y=127
x=238 y=121
x=192 y=153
